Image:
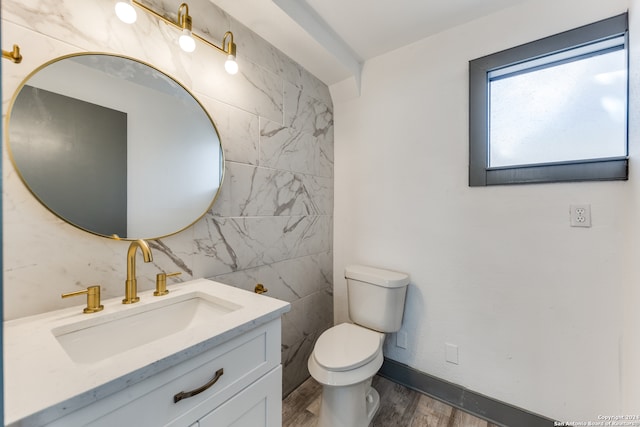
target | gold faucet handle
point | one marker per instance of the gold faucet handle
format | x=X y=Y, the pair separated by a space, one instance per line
x=93 y=298
x=161 y=282
x=260 y=289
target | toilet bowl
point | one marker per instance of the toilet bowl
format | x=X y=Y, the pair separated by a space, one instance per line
x=344 y=360
x=347 y=356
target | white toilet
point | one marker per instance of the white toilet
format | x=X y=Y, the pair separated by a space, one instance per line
x=347 y=356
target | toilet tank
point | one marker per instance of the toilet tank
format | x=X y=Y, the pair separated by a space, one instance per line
x=376 y=297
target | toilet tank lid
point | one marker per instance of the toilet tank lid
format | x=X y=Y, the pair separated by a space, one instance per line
x=376 y=276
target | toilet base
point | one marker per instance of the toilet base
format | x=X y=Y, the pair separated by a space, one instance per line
x=373 y=403
x=348 y=406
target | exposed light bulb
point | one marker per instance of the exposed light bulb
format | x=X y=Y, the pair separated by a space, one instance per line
x=187 y=43
x=126 y=12
x=231 y=65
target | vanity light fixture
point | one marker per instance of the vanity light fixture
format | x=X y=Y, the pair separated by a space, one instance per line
x=230 y=64
x=187 y=43
x=127 y=13
x=16 y=57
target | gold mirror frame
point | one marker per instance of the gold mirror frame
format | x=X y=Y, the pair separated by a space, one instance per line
x=221 y=159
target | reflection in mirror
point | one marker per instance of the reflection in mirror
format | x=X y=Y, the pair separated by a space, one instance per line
x=115 y=147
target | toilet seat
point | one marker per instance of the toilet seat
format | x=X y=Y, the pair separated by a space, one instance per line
x=346 y=354
x=346 y=346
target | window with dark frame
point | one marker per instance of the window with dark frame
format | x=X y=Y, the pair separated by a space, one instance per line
x=553 y=110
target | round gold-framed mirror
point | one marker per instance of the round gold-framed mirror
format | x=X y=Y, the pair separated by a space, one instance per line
x=114 y=146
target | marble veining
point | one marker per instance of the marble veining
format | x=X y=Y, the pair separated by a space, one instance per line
x=306 y=113
x=289 y=280
x=291 y=149
x=272 y=220
x=160 y=246
x=280 y=238
x=254 y=191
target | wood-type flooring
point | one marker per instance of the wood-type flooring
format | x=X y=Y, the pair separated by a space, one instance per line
x=400 y=407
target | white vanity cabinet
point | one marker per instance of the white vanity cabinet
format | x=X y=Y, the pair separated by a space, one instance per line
x=248 y=393
x=124 y=365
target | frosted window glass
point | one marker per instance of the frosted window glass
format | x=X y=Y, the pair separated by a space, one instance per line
x=573 y=111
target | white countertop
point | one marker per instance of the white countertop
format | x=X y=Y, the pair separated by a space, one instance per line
x=42 y=383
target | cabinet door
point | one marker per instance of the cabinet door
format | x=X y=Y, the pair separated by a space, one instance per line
x=258 y=405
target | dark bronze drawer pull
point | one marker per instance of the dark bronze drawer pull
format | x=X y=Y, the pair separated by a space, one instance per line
x=186 y=394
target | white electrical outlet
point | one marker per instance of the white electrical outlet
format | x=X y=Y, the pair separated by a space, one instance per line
x=580 y=215
x=401 y=339
x=451 y=353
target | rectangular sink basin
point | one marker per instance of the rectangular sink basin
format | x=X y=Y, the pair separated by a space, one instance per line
x=88 y=341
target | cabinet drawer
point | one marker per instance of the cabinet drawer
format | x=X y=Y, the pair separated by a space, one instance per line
x=151 y=402
x=259 y=405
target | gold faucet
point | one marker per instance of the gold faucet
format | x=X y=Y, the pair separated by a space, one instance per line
x=131 y=285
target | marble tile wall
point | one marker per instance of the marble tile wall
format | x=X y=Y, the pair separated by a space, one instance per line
x=272 y=222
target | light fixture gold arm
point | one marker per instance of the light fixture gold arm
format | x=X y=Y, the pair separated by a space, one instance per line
x=14 y=55
x=184 y=21
x=228 y=46
x=221 y=49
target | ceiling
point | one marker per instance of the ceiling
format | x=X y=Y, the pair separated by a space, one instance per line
x=333 y=38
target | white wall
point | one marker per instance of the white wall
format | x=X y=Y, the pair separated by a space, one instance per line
x=535 y=307
x=631 y=341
